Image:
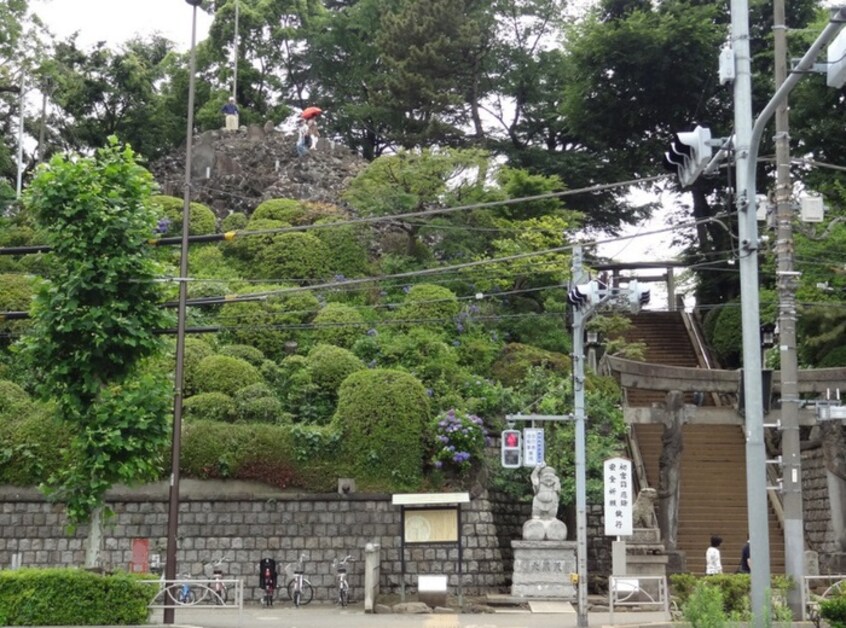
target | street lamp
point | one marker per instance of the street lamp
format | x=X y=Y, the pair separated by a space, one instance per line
x=173 y=500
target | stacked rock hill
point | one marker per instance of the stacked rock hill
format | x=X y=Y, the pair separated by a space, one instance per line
x=234 y=171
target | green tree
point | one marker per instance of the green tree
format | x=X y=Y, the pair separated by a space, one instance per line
x=95 y=322
x=103 y=92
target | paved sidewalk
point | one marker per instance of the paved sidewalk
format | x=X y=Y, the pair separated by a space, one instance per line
x=322 y=615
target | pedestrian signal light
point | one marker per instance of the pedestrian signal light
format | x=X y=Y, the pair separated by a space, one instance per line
x=689 y=154
x=638 y=296
x=512 y=449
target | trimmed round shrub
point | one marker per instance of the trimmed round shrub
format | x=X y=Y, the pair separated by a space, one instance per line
x=382 y=415
x=31 y=446
x=209 y=406
x=339 y=324
x=14 y=400
x=247 y=247
x=428 y=305
x=285 y=209
x=296 y=257
x=207 y=260
x=349 y=251
x=260 y=324
x=262 y=410
x=245 y=352
x=258 y=403
x=16 y=294
x=195 y=351
x=222 y=373
x=330 y=365
x=234 y=222
x=201 y=219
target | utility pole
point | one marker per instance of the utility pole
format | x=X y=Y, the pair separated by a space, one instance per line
x=756 y=460
x=786 y=280
x=747 y=143
x=579 y=317
x=235 y=61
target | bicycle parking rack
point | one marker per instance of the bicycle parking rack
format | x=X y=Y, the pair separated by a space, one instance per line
x=638 y=591
x=205 y=596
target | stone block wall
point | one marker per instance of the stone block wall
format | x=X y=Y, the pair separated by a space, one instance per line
x=246 y=523
x=819 y=534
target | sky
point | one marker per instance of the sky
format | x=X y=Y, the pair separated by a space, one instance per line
x=115 y=21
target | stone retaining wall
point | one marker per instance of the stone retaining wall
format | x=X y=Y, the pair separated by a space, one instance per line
x=248 y=522
x=819 y=534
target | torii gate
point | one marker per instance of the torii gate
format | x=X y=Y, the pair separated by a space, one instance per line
x=677 y=380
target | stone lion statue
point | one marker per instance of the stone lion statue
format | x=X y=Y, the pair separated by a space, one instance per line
x=643 y=512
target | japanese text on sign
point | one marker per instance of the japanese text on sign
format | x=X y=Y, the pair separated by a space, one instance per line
x=533 y=443
x=619 y=497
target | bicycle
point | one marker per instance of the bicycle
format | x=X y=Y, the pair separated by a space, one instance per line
x=219 y=586
x=343 y=583
x=299 y=588
x=182 y=593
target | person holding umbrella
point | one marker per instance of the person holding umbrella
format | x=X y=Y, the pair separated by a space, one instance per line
x=310 y=115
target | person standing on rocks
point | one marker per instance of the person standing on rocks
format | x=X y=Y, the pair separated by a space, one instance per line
x=230 y=110
x=302 y=138
x=313 y=132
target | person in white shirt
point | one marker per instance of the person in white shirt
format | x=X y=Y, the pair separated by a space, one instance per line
x=713 y=565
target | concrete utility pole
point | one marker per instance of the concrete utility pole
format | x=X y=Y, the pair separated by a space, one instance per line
x=756 y=460
x=747 y=143
x=577 y=276
x=786 y=280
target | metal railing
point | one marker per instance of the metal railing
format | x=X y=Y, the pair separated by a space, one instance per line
x=815 y=589
x=198 y=593
x=638 y=592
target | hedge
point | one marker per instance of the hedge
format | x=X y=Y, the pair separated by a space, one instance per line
x=339 y=324
x=72 y=597
x=381 y=417
x=201 y=219
x=222 y=373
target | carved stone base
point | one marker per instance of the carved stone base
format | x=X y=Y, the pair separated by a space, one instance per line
x=542 y=569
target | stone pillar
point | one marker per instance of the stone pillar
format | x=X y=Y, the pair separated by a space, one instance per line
x=669 y=465
x=372 y=571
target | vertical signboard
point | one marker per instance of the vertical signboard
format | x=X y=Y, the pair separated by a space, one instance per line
x=533 y=446
x=619 y=497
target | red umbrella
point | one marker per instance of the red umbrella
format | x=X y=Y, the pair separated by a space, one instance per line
x=311 y=112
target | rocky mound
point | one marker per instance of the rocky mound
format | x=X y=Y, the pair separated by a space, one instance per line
x=234 y=171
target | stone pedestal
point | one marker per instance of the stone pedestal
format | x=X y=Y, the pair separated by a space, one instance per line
x=645 y=554
x=542 y=569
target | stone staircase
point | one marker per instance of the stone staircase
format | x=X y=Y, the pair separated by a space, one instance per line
x=713 y=464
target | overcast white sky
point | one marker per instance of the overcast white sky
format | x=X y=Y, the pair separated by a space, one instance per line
x=115 y=21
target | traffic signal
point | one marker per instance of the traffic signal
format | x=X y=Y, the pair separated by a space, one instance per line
x=638 y=296
x=584 y=294
x=512 y=449
x=689 y=154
